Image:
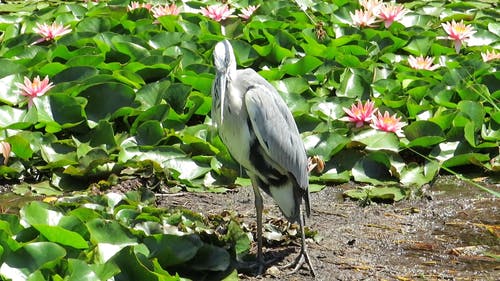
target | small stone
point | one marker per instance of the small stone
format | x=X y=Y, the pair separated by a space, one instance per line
x=273 y=271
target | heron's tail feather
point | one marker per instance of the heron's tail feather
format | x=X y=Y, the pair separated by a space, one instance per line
x=287 y=199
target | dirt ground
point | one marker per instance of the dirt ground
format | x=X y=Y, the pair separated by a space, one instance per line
x=452 y=233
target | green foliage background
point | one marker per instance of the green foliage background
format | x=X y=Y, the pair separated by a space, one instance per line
x=132 y=99
x=132 y=91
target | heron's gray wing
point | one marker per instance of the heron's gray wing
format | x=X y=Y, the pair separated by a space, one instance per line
x=274 y=126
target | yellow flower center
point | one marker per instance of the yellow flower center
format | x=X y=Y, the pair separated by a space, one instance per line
x=460 y=28
x=389 y=121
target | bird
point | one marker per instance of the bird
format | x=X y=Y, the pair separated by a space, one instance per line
x=259 y=131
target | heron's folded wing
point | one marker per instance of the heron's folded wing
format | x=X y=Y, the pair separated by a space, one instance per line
x=276 y=130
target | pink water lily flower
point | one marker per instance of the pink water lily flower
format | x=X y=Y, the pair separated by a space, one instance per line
x=50 y=32
x=390 y=13
x=34 y=89
x=422 y=63
x=360 y=114
x=217 y=12
x=5 y=149
x=136 y=5
x=362 y=18
x=388 y=123
x=167 y=10
x=247 y=12
x=458 y=32
x=489 y=56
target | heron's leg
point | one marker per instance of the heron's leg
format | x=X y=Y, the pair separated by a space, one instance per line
x=304 y=255
x=258 y=207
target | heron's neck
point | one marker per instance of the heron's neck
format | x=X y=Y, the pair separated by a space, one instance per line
x=231 y=70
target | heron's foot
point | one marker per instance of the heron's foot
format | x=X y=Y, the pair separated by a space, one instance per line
x=302 y=258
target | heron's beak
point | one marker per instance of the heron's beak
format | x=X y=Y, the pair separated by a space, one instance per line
x=222 y=91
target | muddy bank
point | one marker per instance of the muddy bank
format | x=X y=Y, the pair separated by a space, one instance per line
x=453 y=233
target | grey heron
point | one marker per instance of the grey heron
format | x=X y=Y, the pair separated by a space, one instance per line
x=260 y=133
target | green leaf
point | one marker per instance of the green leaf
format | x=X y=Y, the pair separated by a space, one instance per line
x=187 y=168
x=474 y=111
x=79 y=270
x=424 y=133
x=52 y=68
x=372 y=171
x=75 y=73
x=351 y=85
x=238 y=238
x=291 y=90
x=316 y=187
x=105 y=231
x=133 y=50
x=41 y=188
x=104 y=99
x=158 y=112
x=136 y=266
x=422 y=128
x=149 y=133
x=378 y=140
x=387 y=193
x=378 y=194
x=201 y=82
x=57 y=154
x=67 y=110
x=233 y=276
x=130 y=78
x=347 y=60
x=331 y=175
x=466 y=159
x=171 y=249
x=152 y=94
x=301 y=66
x=166 y=39
x=16 y=118
x=61 y=236
x=176 y=96
x=9 y=223
x=210 y=257
x=9 y=67
x=31 y=257
x=85 y=60
x=457 y=153
x=413 y=174
x=325 y=145
x=273 y=51
x=110 y=237
x=425 y=141
x=103 y=134
x=419 y=45
x=470 y=133
x=244 y=52
x=21 y=146
x=37 y=213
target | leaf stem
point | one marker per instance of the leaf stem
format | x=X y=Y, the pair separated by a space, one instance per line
x=459 y=176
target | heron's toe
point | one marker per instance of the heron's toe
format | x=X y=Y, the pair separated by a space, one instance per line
x=299 y=261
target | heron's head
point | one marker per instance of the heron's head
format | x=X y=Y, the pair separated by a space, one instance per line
x=225 y=65
x=224 y=60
